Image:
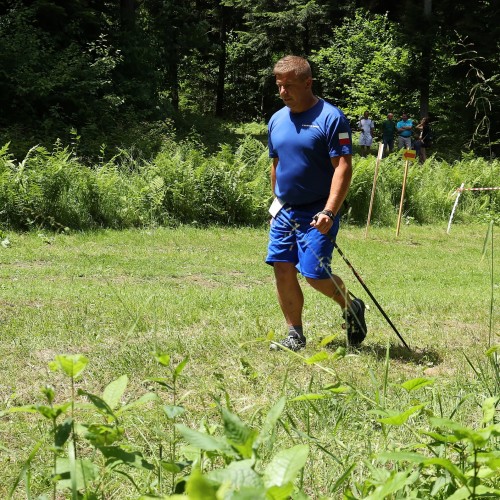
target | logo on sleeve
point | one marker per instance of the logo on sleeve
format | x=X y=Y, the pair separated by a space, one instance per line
x=344 y=138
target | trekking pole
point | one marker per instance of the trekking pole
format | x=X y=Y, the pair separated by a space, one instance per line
x=358 y=277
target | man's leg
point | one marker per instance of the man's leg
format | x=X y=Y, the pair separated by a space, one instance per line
x=291 y=301
x=353 y=310
x=334 y=288
x=290 y=296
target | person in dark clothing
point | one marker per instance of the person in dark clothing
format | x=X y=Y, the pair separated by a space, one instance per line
x=425 y=139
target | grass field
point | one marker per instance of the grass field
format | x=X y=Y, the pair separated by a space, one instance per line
x=116 y=297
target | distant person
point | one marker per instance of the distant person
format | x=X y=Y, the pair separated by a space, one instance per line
x=405 y=131
x=388 y=133
x=424 y=141
x=366 y=126
x=311 y=149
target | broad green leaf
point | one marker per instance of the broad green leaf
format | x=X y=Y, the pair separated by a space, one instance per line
x=316 y=358
x=417 y=383
x=52 y=412
x=173 y=412
x=103 y=434
x=327 y=340
x=448 y=465
x=72 y=364
x=270 y=421
x=115 y=456
x=401 y=418
x=248 y=493
x=440 y=438
x=490 y=459
x=280 y=492
x=170 y=467
x=489 y=409
x=180 y=367
x=483 y=490
x=114 y=391
x=199 y=488
x=309 y=397
x=478 y=438
x=63 y=432
x=238 y=434
x=337 y=388
x=86 y=472
x=285 y=466
x=460 y=494
x=239 y=474
x=162 y=358
x=394 y=483
x=144 y=399
x=205 y=441
x=101 y=405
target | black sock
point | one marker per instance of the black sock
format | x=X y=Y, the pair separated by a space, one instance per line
x=296 y=331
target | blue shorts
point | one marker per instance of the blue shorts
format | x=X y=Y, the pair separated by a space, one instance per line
x=292 y=239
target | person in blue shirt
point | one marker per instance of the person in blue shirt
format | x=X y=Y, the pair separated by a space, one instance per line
x=310 y=143
x=405 y=131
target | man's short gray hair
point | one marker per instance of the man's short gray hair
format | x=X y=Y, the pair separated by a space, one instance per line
x=295 y=64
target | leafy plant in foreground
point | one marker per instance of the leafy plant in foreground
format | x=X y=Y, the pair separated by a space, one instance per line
x=245 y=475
x=70 y=470
x=456 y=462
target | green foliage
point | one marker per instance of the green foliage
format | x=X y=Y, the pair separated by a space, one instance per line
x=184 y=184
x=363 y=68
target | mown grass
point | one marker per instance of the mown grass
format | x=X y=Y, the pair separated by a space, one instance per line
x=117 y=296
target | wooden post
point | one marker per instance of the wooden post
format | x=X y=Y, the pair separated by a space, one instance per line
x=379 y=157
x=402 y=197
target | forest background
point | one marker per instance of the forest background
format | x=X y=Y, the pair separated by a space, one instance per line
x=124 y=75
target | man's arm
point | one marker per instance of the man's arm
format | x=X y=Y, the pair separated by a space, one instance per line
x=341 y=181
x=338 y=190
x=274 y=164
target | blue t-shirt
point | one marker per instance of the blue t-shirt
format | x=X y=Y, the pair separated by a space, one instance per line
x=304 y=143
x=407 y=123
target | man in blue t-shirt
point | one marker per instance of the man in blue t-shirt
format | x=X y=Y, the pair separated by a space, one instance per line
x=405 y=131
x=310 y=145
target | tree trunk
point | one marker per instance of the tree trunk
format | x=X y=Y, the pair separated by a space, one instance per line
x=426 y=60
x=221 y=76
x=127 y=14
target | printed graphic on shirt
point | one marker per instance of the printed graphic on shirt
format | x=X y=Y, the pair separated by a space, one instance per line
x=344 y=138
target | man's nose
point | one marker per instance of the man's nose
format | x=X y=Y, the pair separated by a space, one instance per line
x=282 y=89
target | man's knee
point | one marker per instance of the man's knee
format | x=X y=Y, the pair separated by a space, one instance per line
x=285 y=271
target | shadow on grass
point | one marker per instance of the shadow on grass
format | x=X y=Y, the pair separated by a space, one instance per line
x=416 y=355
x=419 y=356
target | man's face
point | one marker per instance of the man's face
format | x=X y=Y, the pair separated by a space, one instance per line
x=293 y=90
x=366 y=114
x=404 y=117
x=390 y=116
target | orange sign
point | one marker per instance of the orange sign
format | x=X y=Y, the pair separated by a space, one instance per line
x=409 y=155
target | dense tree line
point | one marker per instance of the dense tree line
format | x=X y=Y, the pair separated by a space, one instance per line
x=113 y=72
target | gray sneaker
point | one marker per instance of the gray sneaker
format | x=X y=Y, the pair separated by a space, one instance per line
x=293 y=343
x=355 y=322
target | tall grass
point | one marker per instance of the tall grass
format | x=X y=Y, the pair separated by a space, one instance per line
x=184 y=183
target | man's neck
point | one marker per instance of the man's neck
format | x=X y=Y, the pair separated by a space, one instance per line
x=306 y=105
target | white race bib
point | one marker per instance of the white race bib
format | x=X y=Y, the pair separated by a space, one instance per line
x=275 y=207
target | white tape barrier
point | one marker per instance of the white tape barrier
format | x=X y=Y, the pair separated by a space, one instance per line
x=459 y=191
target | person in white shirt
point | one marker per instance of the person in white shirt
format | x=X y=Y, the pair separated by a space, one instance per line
x=366 y=126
